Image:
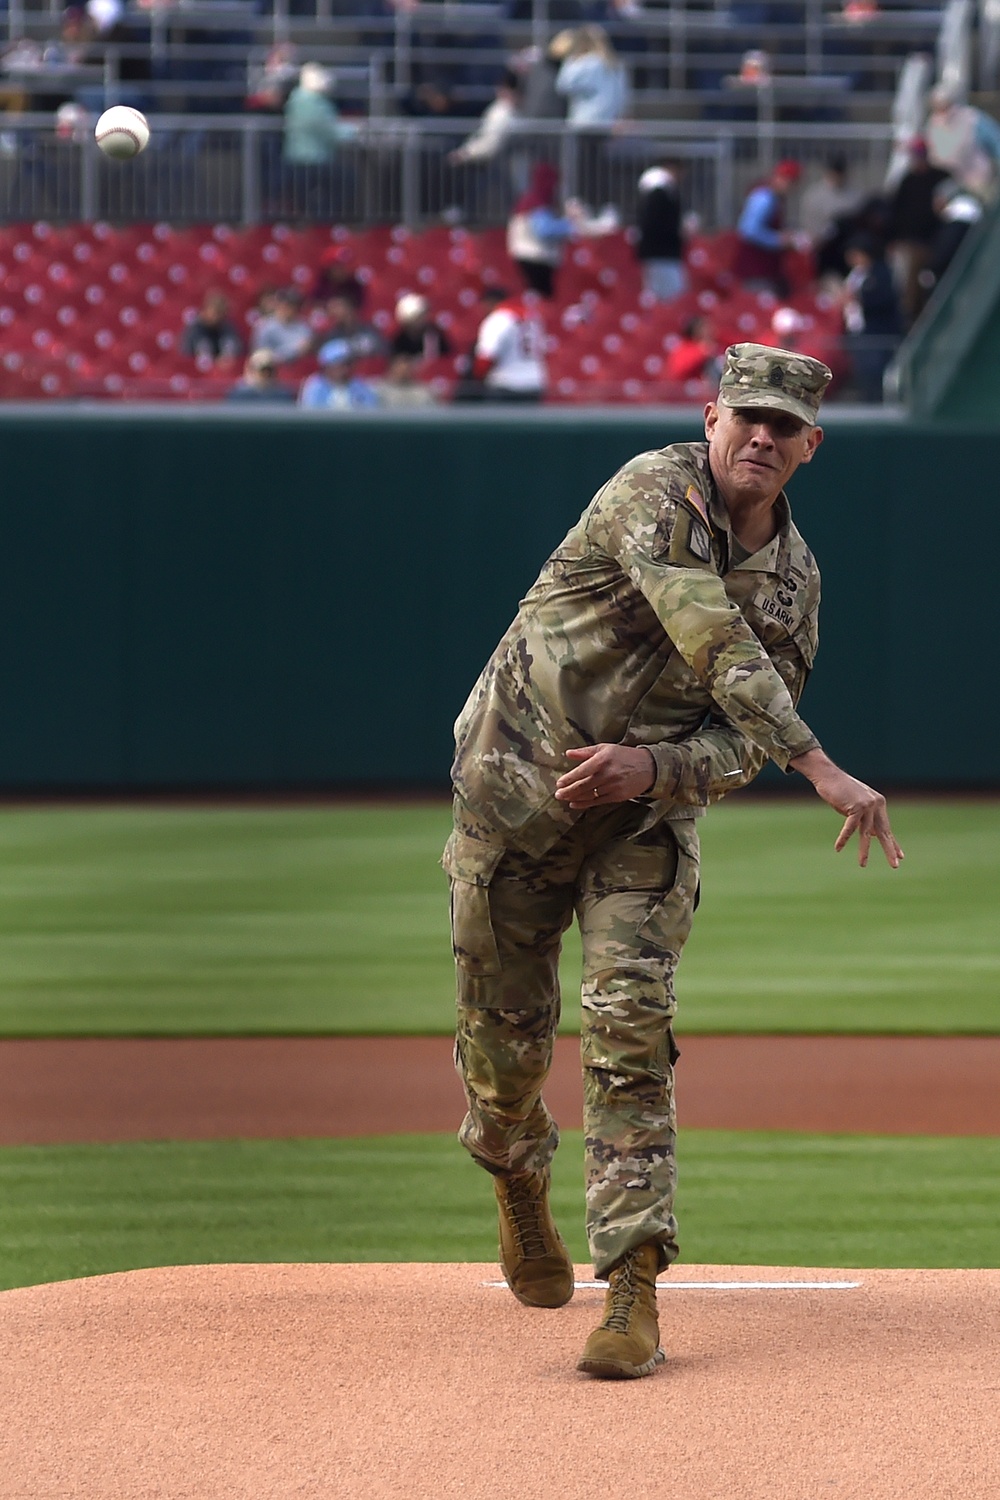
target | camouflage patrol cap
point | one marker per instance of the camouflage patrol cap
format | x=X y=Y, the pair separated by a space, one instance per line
x=757 y=375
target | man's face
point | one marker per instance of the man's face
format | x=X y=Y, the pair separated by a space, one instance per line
x=342 y=311
x=754 y=451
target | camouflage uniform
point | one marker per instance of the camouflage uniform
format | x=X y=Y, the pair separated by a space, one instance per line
x=648 y=626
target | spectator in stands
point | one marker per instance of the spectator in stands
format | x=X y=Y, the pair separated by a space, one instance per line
x=335 y=387
x=336 y=278
x=265 y=304
x=762 y=237
x=537 y=232
x=660 y=247
x=401 y=385
x=510 y=349
x=76 y=34
x=417 y=336
x=871 y=315
x=689 y=357
x=73 y=48
x=212 y=335
x=344 y=322
x=825 y=215
x=313 y=127
x=260 y=382
x=536 y=69
x=283 y=331
x=591 y=78
x=493 y=131
x=912 y=227
x=539 y=68
x=965 y=142
x=275 y=80
x=313 y=132
x=112 y=28
x=788 y=329
x=959 y=210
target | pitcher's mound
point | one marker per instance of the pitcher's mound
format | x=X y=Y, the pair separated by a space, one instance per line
x=424 y=1381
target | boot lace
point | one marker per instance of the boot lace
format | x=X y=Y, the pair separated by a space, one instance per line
x=623 y=1291
x=525 y=1216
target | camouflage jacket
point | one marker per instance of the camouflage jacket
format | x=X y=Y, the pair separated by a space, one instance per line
x=640 y=631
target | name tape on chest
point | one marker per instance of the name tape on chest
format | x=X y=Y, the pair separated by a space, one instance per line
x=776 y=611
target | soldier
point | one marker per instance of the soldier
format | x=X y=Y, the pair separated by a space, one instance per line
x=653 y=667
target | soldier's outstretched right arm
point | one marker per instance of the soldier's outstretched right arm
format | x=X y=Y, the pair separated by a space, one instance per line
x=646 y=519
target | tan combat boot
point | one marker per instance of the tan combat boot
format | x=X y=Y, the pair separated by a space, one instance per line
x=533 y=1258
x=627 y=1342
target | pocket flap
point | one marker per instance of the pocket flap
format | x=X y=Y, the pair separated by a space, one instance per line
x=470 y=859
x=805 y=638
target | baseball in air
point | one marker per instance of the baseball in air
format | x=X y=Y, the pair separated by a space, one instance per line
x=122 y=132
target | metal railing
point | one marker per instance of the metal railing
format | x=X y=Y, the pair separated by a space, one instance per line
x=678 y=51
x=231 y=168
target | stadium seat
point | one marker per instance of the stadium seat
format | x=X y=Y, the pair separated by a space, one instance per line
x=104 y=305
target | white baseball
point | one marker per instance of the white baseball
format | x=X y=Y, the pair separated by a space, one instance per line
x=122 y=132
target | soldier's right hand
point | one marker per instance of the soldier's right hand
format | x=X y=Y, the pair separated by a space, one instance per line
x=862 y=806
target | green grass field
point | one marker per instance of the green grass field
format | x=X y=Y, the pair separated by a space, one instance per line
x=333 y=919
x=744 y=1199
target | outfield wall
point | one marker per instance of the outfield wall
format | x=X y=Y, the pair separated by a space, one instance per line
x=236 y=600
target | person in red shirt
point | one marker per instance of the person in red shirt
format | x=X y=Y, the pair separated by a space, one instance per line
x=336 y=277
x=690 y=355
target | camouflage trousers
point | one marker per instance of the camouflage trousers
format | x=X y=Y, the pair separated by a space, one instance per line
x=634 y=897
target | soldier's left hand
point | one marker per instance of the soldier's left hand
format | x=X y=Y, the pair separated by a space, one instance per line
x=605 y=774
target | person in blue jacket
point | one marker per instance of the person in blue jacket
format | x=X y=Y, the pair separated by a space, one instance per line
x=335 y=387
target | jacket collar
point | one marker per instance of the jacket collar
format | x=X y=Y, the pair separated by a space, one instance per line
x=771 y=558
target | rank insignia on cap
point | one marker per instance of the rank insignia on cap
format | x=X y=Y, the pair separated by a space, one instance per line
x=779 y=379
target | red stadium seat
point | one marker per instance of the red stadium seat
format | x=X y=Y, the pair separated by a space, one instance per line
x=108 y=304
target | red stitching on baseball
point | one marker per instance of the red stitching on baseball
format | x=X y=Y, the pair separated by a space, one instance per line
x=118 y=130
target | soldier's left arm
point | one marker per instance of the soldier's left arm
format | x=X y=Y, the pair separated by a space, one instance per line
x=708 y=764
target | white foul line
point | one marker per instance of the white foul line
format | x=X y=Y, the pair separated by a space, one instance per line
x=726 y=1286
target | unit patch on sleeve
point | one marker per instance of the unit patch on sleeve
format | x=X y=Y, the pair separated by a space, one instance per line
x=769 y=606
x=699 y=542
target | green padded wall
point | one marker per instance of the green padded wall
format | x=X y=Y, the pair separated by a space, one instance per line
x=226 y=600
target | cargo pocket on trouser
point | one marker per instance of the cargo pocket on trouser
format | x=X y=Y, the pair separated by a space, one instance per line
x=471 y=865
x=668 y=924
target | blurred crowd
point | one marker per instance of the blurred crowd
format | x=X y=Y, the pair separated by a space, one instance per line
x=876 y=256
x=359 y=366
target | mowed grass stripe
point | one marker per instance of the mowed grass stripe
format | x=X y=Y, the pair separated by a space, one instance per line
x=334 y=919
x=751 y=1199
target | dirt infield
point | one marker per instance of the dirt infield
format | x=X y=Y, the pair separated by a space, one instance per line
x=121 y=1089
x=421 y=1382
